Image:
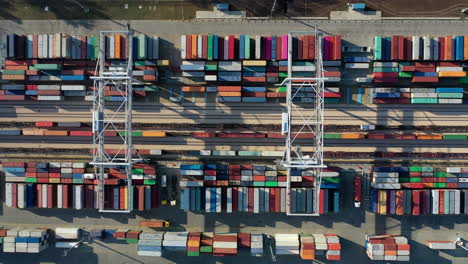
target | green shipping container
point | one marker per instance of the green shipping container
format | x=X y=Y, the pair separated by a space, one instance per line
x=139 y=63
x=439 y=185
x=450 y=95
x=303 y=63
x=457 y=137
x=141 y=47
x=31 y=180
x=149 y=182
x=134 y=133
x=248 y=153
x=378 y=48
x=282 y=89
x=132 y=241
x=424 y=100
x=47 y=66
x=206 y=249
x=385 y=69
x=16 y=72
x=427 y=169
x=283 y=74
x=415 y=169
x=138 y=171
x=211 y=67
x=193 y=253
x=258 y=184
x=78 y=181
x=328 y=135
x=151 y=88
x=95 y=43
x=463 y=79
x=331 y=180
x=404 y=179
x=210 y=47
x=415 y=180
x=405 y=74
x=247 y=47
x=302 y=74
x=331 y=100
x=271 y=184
x=440 y=174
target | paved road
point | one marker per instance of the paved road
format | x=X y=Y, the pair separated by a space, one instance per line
x=416 y=115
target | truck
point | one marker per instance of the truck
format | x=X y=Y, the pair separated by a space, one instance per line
x=357 y=191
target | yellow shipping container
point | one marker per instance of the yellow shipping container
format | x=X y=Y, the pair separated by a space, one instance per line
x=54 y=180
x=154 y=134
x=452 y=74
x=13 y=77
x=382 y=202
x=193 y=243
x=126 y=198
x=254 y=63
x=234 y=94
x=163 y=63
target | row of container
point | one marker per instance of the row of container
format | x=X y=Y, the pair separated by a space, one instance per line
x=214 y=47
x=418 y=72
x=258 y=200
x=387 y=247
x=78 y=196
x=400 y=48
x=61 y=45
x=75 y=172
x=447 y=95
x=419 y=177
x=308 y=245
x=255 y=70
x=20 y=240
x=199 y=175
x=419 y=202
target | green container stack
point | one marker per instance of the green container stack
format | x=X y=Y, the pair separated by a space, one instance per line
x=455 y=137
x=210 y=47
x=142 y=47
x=193 y=244
x=378 y=48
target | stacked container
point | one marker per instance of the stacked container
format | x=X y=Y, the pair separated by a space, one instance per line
x=67 y=237
x=193 y=244
x=307 y=249
x=175 y=241
x=26 y=240
x=206 y=243
x=256 y=245
x=225 y=244
x=387 y=247
x=287 y=244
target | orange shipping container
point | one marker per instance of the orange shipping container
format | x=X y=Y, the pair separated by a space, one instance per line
x=433 y=137
x=452 y=74
x=20 y=68
x=194 y=47
x=390 y=253
x=193 y=243
x=465 y=48
x=428 y=185
x=196 y=89
x=56 y=133
x=118 y=45
x=13 y=77
x=403 y=246
x=448 y=48
x=154 y=134
x=233 y=94
x=352 y=136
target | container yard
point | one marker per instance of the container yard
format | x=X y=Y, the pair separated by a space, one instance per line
x=228 y=134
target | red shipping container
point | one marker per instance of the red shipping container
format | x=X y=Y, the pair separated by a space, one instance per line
x=42 y=175
x=408 y=48
x=376 y=136
x=204 y=47
x=81 y=133
x=441 y=48
x=408 y=68
x=449 y=64
x=416 y=206
x=300 y=52
x=272 y=199
x=243 y=240
x=254 y=79
x=188 y=47
x=14 y=164
x=231 y=47
x=259 y=178
x=50 y=196
x=399 y=210
x=401 y=48
x=279 y=48
x=66 y=181
x=394 y=48
x=448 y=48
x=305 y=48
x=154 y=197
x=331 y=74
x=229 y=88
x=14 y=195
x=385 y=80
x=12 y=98
x=332 y=94
x=54 y=175
x=282 y=178
x=385 y=74
x=31 y=174
x=278 y=200
x=210 y=172
x=48 y=92
x=322 y=202
x=251 y=200
x=311 y=47
x=253 y=94
x=39 y=195
x=337 y=48
x=331 y=48
x=451 y=185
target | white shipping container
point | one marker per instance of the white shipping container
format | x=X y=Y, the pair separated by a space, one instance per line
x=229 y=200
x=221 y=244
x=256 y=205
x=78 y=197
x=387 y=186
x=423 y=95
x=435 y=48
x=357 y=65
x=66 y=244
x=226 y=48
x=66 y=232
x=199 y=46
x=427 y=48
x=58 y=46
x=385 y=174
x=386 y=64
x=450 y=101
x=21 y=195
x=416 y=55
x=44 y=196
x=8 y=194
x=183 y=47
x=45 y=46
x=39 y=46
x=454 y=170
x=59 y=196
x=49 y=98
x=441 y=245
x=446 y=69
x=96 y=195
x=208 y=200
x=435 y=201
x=267 y=200
x=218 y=200
x=50 y=43
x=111 y=47
x=258 y=43
x=456 y=202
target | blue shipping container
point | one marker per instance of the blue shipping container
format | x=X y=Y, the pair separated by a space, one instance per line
x=449 y=90
x=459 y=48
x=426 y=74
x=242 y=47
x=191 y=167
x=215 y=47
